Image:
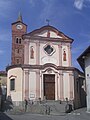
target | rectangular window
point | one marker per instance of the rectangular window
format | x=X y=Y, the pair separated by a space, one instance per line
x=12 y=84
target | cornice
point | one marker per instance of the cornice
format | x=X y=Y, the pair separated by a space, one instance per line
x=31 y=38
x=18 y=22
x=40 y=67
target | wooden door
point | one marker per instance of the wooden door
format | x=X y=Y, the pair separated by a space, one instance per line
x=49 y=86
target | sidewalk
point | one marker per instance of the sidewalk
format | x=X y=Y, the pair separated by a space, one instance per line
x=79 y=114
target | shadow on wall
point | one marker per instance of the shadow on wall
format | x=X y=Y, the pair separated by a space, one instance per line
x=3 y=116
x=6 y=104
x=80 y=94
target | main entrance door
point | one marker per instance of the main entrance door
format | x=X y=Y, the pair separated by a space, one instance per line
x=49 y=86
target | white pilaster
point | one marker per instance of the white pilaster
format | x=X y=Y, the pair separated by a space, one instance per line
x=38 y=84
x=26 y=53
x=61 y=87
x=60 y=54
x=26 y=84
x=71 y=82
x=37 y=53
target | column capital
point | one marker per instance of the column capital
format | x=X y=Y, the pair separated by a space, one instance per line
x=61 y=74
x=38 y=72
x=71 y=74
x=27 y=71
x=60 y=45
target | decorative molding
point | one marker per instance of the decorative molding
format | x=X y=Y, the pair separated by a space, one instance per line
x=50 y=28
x=49 y=49
x=35 y=38
x=61 y=74
x=49 y=70
x=26 y=71
x=41 y=67
x=71 y=74
x=12 y=76
x=38 y=72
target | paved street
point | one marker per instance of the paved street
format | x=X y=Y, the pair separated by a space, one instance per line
x=80 y=114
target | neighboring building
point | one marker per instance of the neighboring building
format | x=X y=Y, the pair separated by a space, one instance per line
x=3 y=78
x=3 y=84
x=47 y=71
x=79 y=89
x=84 y=61
x=0 y=96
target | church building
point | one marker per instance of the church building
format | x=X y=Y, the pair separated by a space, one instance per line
x=41 y=65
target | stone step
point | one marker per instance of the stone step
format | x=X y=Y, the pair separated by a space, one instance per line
x=45 y=107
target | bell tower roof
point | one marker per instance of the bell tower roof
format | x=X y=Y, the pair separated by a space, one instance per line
x=19 y=17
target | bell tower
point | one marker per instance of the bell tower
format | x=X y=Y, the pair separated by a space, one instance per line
x=18 y=29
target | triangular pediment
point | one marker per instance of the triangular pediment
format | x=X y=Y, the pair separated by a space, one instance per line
x=49 y=32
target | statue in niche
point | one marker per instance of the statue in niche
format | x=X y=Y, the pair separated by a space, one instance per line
x=32 y=53
x=64 y=55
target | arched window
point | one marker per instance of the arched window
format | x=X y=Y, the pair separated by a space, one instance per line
x=17 y=40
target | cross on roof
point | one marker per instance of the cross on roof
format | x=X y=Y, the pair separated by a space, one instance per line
x=48 y=21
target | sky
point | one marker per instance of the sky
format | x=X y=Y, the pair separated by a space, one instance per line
x=72 y=17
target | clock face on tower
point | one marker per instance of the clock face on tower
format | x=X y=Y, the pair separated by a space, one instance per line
x=19 y=26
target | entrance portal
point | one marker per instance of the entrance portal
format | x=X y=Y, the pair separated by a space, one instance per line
x=49 y=86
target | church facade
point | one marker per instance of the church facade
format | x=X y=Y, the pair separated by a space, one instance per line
x=41 y=64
